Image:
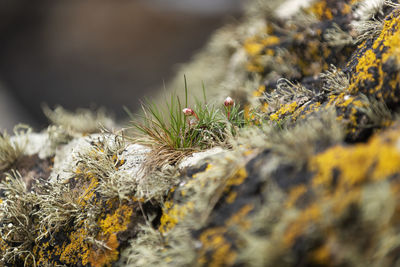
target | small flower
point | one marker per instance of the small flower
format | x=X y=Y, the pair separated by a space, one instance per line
x=188 y=111
x=228 y=102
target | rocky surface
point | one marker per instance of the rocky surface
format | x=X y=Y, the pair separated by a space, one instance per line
x=311 y=179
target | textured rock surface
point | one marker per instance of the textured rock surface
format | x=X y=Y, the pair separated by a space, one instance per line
x=312 y=180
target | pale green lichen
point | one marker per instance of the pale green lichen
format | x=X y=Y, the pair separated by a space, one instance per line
x=11 y=150
x=82 y=121
x=295 y=143
x=16 y=221
x=335 y=81
x=336 y=37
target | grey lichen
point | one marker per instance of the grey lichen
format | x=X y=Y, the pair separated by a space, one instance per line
x=335 y=81
x=82 y=121
x=17 y=219
x=10 y=150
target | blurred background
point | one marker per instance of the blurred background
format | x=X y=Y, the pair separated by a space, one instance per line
x=93 y=53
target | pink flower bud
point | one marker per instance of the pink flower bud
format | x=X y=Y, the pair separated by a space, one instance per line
x=228 y=102
x=188 y=111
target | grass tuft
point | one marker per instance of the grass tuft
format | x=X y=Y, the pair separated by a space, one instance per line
x=181 y=130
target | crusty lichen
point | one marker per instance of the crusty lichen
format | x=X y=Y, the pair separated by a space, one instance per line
x=376 y=70
x=313 y=180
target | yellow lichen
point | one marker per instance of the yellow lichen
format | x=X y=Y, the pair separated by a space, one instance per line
x=356 y=164
x=237 y=178
x=295 y=194
x=116 y=222
x=284 y=110
x=172 y=214
x=305 y=219
x=240 y=217
x=216 y=250
x=384 y=48
x=260 y=91
x=110 y=227
x=77 y=250
x=231 y=197
x=252 y=47
x=321 y=255
x=320 y=10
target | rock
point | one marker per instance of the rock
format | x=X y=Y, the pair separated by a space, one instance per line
x=308 y=176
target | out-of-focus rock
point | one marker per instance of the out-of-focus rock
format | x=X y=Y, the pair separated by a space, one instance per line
x=103 y=53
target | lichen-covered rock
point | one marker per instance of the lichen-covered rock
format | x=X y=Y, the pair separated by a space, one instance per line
x=311 y=179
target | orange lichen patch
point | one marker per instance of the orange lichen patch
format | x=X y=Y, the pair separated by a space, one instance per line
x=305 y=219
x=346 y=9
x=294 y=194
x=110 y=226
x=105 y=256
x=216 y=250
x=354 y=165
x=77 y=250
x=371 y=75
x=173 y=213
